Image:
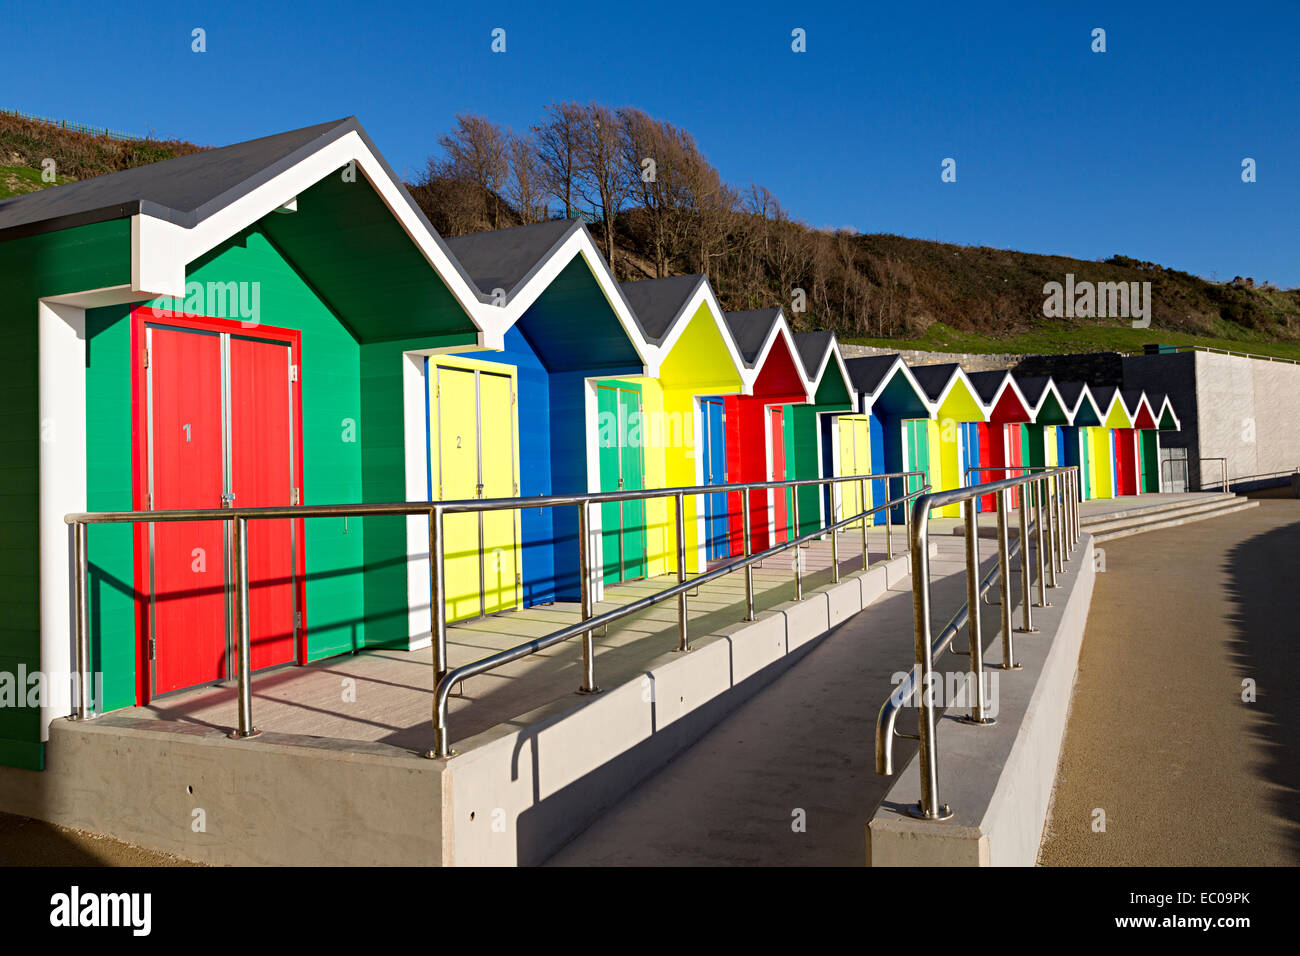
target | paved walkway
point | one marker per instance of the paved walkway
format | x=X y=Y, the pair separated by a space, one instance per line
x=804 y=744
x=1158 y=736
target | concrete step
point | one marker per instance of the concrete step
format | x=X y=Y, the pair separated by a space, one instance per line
x=1091 y=521
x=1100 y=524
x=1183 y=517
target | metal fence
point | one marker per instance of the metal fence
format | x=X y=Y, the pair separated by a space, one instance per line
x=444 y=678
x=1053 y=494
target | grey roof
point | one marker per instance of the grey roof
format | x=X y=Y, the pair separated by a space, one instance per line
x=188 y=189
x=657 y=302
x=934 y=378
x=811 y=347
x=505 y=258
x=1032 y=386
x=987 y=384
x=750 y=330
x=184 y=190
x=1132 y=397
x=869 y=371
x=1103 y=395
x=1070 y=391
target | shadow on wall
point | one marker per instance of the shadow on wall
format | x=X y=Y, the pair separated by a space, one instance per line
x=1264 y=649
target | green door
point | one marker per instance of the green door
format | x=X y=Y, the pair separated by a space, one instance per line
x=1085 y=461
x=1149 y=461
x=918 y=451
x=622 y=468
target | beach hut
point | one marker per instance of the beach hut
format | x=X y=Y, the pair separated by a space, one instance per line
x=1074 y=445
x=899 y=417
x=1128 y=457
x=755 y=424
x=684 y=436
x=228 y=327
x=1149 y=441
x=1006 y=409
x=1113 y=416
x=954 y=429
x=575 y=356
x=811 y=427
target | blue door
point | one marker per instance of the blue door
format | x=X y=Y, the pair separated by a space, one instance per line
x=970 y=455
x=716 y=530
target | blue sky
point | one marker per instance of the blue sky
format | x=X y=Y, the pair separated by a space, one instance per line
x=1137 y=150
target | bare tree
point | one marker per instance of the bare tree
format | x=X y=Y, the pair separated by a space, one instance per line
x=602 y=178
x=525 y=188
x=557 y=138
x=476 y=153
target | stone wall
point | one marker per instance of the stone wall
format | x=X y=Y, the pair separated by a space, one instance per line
x=970 y=361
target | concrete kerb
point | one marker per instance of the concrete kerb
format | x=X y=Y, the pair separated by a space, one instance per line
x=998 y=779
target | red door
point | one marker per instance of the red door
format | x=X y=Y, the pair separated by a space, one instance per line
x=262 y=475
x=779 y=518
x=186 y=626
x=1125 y=462
x=1015 y=456
x=220 y=423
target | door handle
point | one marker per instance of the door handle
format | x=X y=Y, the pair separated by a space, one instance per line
x=228 y=499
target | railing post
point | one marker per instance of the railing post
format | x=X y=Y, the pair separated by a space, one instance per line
x=889 y=523
x=81 y=586
x=749 y=568
x=835 y=547
x=929 y=807
x=682 y=642
x=1058 y=523
x=1051 y=556
x=1026 y=618
x=243 y=645
x=437 y=594
x=908 y=517
x=862 y=493
x=1040 y=554
x=1004 y=573
x=584 y=592
x=977 y=715
x=798 y=565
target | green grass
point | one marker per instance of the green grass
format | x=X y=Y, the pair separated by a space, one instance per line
x=1058 y=338
x=17 y=180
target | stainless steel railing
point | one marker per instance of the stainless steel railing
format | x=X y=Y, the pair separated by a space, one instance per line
x=436 y=511
x=1187 y=474
x=588 y=625
x=1053 y=483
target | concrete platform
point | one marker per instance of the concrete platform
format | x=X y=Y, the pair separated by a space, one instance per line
x=336 y=777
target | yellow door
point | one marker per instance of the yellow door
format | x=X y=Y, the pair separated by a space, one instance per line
x=472 y=442
x=1100 y=438
x=455 y=474
x=499 y=480
x=855 y=459
x=1049 y=446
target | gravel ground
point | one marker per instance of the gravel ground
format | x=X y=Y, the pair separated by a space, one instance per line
x=26 y=842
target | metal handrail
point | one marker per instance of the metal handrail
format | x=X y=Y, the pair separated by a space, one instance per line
x=1208 y=348
x=1057 y=485
x=436 y=511
x=1187 y=473
x=587 y=626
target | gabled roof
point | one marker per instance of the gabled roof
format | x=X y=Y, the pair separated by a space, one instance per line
x=1033 y=387
x=1164 y=410
x=1079 y=403
x=504 y=258
x=666 y=307
x=183 y=190
x=874 y=375
x=181 y=209
x=992 y=388
x=934 y=379
x=816 y=351
x=869 y=371
x=658 y=303
x=751 y=330
x=535 y=270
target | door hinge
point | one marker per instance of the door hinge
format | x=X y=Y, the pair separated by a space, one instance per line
x=144 y=358
x=153 y=648
x=293 y=373
x=518 y=579
x=297 y=620
x=295 y=498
